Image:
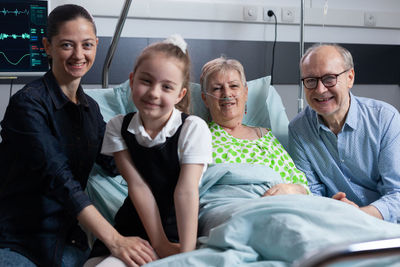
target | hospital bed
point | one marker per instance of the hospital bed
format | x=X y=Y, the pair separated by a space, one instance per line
x=265 y=109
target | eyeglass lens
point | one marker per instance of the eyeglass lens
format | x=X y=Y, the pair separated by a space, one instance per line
x=328 y=81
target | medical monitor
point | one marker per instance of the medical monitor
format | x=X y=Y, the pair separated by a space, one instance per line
x=23 y=25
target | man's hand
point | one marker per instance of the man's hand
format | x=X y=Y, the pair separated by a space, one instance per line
x=133 y=251
x=342 y=197
x=285 y=189
x=371 y=210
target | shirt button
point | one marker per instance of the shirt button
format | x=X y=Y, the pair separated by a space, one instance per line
x=73 y=241
x=342 y=160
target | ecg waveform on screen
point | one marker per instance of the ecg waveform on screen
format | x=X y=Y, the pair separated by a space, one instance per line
x=4 y=36
x=16 y=12
x=23 y=26
x=13 y=63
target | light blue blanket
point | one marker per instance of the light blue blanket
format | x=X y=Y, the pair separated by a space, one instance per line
x=243 y=229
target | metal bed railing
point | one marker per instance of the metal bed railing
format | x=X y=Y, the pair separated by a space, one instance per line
x=114 y=42
x=357 y=251
x=300 y=100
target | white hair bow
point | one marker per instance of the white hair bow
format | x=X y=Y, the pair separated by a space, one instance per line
x=178 y=41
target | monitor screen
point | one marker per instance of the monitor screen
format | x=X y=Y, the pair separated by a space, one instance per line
x=23 y=24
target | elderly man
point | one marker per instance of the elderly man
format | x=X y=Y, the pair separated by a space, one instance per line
x=348 y=146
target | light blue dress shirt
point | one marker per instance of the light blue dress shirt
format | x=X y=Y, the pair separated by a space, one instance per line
x=363 y=160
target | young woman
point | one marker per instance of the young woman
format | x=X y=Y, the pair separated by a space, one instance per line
x=51 y=136
x=161 y=153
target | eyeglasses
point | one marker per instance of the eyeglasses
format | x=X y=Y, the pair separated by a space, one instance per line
x=328 y=80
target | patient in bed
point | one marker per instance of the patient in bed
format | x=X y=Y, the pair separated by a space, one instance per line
x=224 y=92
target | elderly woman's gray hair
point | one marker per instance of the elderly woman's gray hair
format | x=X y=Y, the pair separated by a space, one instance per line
x=346 y=55
x=220 y=64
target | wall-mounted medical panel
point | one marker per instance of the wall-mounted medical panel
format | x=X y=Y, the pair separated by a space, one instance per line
x=374 y=64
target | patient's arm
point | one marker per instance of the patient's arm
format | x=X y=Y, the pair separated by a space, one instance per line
x=285 y=189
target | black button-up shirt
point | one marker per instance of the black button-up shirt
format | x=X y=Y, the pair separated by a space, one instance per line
x=49 y=145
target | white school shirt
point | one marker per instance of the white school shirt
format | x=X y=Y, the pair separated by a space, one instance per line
x=194 y=143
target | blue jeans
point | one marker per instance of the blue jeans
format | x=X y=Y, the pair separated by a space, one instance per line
x=9 y=258
x=72 y=257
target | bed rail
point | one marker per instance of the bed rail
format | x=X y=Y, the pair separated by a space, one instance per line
x=300 y=100
x=356 y=251
x=114 y=42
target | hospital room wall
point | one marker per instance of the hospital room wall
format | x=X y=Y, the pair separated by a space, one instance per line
x=342 y=22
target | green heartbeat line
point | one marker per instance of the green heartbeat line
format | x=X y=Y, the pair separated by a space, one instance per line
x=16 y=63
x=16 y=12
x=14 y=36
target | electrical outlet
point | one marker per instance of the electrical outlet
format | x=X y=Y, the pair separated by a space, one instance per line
x=268 y=18
x=250 y=13
x=369 y=19
x=288 y=14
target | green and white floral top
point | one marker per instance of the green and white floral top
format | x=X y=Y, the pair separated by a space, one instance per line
x=265 y=151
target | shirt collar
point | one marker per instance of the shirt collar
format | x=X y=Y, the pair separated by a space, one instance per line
x=58 y=97
x=136 y=127
x=351 y=117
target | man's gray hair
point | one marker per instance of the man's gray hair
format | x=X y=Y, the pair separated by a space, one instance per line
x=346 y=55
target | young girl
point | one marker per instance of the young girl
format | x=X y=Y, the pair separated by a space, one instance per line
x=161 y=153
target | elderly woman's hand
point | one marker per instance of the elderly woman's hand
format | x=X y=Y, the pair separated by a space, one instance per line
x=285 y=189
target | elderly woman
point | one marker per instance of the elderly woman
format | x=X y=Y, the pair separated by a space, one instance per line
x=224 y=92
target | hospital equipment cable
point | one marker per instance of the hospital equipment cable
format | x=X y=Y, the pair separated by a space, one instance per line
x=270 y=14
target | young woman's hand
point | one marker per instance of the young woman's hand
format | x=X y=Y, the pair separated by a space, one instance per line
x=167 y=249
x=133 y=251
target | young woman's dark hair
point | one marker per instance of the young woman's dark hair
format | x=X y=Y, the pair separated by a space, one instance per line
x=64 y=13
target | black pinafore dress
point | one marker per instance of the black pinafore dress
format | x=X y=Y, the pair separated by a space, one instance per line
x=159 y=167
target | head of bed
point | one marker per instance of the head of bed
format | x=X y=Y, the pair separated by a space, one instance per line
x=264 y=109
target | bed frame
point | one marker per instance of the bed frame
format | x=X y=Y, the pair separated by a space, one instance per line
x=349 y=252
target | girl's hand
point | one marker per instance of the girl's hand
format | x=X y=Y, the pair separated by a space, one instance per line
x=133 y=251
x=285 y=189
x=167 y=249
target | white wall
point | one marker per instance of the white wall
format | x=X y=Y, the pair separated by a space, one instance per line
x=344 y=22
x=224 y=19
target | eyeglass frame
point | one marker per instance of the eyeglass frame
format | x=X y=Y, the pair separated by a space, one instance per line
x=321 y=79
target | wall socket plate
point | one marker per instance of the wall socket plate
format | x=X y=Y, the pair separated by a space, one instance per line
x=369 y=19
x=250 y=12
x=265 y=14
x=288 y=14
